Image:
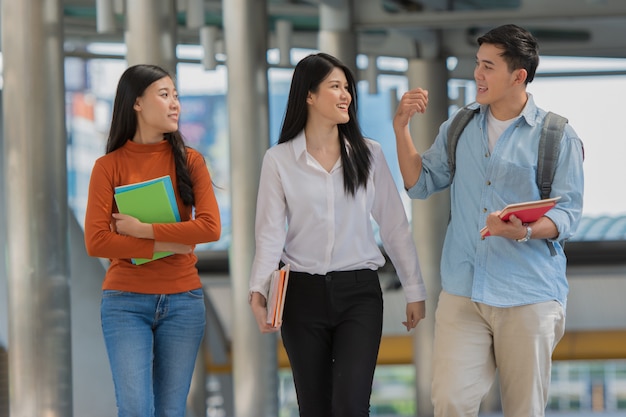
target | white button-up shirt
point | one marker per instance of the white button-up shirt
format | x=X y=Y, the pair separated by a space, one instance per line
x=305 y=218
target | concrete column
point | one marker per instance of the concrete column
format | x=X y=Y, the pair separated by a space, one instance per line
x=35 y=183
x=4 y=312
x=4 y=309
x=105 y=16
x=336 y=35
x=429 y=220
x=151 y=33
x=254 y=355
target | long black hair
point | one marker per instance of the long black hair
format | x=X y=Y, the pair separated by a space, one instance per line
x=307 y=77
x=133 y=84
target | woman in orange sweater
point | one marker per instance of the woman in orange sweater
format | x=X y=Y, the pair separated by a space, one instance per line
x=152 y=314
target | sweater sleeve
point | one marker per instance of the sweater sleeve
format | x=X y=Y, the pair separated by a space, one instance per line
x=205 y=225
x=100 y=240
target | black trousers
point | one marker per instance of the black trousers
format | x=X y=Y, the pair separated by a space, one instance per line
x=332 y=325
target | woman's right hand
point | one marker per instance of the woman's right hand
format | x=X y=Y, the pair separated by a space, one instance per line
x=259 y=309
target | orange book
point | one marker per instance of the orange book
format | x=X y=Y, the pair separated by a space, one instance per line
x=527 y=212
x=276 y=296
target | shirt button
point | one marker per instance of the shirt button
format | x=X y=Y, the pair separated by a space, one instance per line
x=488 y=182
x=484 y=209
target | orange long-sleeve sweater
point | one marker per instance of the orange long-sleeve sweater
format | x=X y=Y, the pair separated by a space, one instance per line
x=173 y=274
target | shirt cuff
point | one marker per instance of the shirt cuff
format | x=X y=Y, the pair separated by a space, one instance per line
x=413 y=293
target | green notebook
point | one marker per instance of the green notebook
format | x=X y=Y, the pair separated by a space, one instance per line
x=149 y=202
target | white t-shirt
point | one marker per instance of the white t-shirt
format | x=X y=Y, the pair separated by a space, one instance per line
x=495 y=128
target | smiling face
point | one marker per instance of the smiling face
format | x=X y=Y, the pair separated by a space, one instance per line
x=496 y=84
x=331 y=100
x=158 y=108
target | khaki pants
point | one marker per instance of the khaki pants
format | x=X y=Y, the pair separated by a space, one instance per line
x=473 y=339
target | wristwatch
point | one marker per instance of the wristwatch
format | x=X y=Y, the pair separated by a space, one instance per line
x=526 y=238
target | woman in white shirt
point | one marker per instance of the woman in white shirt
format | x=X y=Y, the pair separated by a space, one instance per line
x=319 y=188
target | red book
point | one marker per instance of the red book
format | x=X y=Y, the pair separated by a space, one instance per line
x=527 y=212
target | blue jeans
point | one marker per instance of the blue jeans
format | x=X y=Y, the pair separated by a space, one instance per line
x=152 y=341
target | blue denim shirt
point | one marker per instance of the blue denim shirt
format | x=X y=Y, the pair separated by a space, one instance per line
x=498 y=271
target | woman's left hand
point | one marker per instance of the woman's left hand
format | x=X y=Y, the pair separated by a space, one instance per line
x=414 y=313
x=130 y=226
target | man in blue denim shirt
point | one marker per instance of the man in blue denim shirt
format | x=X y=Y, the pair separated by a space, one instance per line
x=503 y=299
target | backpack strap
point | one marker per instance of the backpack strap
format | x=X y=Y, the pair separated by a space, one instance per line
x=548 y=154
x=549 y=144
x=455 y=129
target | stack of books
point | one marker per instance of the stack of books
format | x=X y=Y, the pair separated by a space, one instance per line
x=151 y=201
x=276 y=296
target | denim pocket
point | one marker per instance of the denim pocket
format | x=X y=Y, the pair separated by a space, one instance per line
x=197 y=293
